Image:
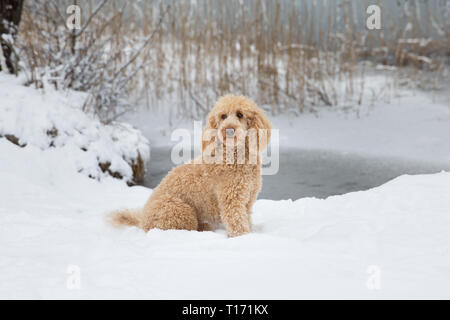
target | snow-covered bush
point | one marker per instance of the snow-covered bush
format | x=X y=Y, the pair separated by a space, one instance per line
x=97 y=57
x=50 y=119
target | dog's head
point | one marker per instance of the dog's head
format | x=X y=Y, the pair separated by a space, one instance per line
x=233 y=120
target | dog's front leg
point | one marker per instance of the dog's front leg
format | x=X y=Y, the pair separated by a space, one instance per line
x=255 y=189
x=233 y=211
x=235 y=218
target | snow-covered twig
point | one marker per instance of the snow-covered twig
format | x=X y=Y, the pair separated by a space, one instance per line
x=145 y=42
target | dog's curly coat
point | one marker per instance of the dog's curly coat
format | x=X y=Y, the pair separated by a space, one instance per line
x=198 y=196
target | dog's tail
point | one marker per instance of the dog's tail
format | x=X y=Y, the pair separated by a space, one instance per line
x=127 y=217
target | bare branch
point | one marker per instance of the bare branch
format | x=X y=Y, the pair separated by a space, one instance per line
x=146 y=41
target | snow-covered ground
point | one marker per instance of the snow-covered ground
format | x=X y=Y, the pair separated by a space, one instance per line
x=388 y=242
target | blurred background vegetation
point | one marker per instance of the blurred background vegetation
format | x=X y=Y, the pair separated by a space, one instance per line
x=290 y=56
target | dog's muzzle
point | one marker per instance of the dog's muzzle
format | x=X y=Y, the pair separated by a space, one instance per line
x=229 y=132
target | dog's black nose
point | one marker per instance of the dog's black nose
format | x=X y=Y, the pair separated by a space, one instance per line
x=229 y=132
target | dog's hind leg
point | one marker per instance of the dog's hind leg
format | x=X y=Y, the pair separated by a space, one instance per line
x=205 y=226
x=168 y=214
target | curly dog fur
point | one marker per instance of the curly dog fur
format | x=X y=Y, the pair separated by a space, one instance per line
x=200 y=195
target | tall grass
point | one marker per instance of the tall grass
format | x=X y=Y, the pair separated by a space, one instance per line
x=290 y=55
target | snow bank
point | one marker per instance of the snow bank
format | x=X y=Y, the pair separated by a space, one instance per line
x=389 y=242
x=52 y=119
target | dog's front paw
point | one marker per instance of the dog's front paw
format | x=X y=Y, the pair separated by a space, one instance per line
x=238 y=231
x=236 y=234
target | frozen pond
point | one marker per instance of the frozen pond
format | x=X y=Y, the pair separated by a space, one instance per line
x=312 y=173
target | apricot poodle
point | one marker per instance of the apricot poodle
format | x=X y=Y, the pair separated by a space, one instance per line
x=218 y=187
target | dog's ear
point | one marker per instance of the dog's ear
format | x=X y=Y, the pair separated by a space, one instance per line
x=212 y=122
x=263 y=126
x=208 y=135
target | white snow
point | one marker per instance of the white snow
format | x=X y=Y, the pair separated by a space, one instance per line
x=52 y=222
x=32 y=115
x=392 y=241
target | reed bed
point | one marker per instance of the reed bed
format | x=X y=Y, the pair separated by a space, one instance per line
x=290 y=56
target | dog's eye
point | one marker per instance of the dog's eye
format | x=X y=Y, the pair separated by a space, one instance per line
x=239 y=115
x=224 y=116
